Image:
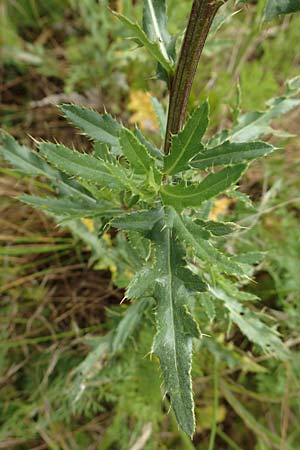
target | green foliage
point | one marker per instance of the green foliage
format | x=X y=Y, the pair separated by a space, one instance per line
x=187 y=143
x=180 y=276
x=169 y=275
x=101 y=128
x=277 y=7
x=231 y=153
x=156 y=48
x=182 y=196
x=155 y=26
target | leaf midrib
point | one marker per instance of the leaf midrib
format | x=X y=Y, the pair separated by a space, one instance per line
x=170 y=291
x=231 y=153
x=161 y=42
x=193 y=194
x=183 y=150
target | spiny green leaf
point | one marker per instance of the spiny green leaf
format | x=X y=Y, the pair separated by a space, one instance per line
x=135 y=152
x=176 y=327
x=102 y=128
x=71 y=208
x=154 y=24
x=251 y=325
x=249 y=258
x=208 y=304
x=191 y=281
x=230 y=153
x=242 y=198
x=140 y=244
x=276 y=7
x=22 y=158
x=142 y=283
x=142 y=38
x=234 y=291
x=192 y=235
x=154 y=152
x=217 y=228
x=80 y=165
x=181 y=196
x=187 y=143
x=30 y=163
x=141 y=221
x=253 y=125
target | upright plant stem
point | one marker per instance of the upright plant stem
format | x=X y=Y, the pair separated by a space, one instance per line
x=215 y=406
x=200 y=20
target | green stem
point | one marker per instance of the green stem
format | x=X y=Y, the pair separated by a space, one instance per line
x=216 y=405
x=200 y=20
x=228 y=440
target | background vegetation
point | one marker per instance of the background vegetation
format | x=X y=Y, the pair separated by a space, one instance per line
x=59 y=296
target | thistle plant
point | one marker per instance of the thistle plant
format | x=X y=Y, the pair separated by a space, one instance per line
x=159 y=198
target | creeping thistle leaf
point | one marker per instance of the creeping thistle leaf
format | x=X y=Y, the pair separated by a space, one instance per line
x=276 y=7
x=154 y=152
x=253 y=125
x=142 y=283
x=251 y=325
x=30 y=163
x=82 y=165
x=181 y=196
x=208 y=304
x=249 y=258
x=191 y=281
x=143 y=39
x=217 y=228
x=20 y=157
x=102 y=128
x=142 y=221
x=193 y=236
x=71 y=208
x=187 y=143
x=176 y=328
x=155 y=26
x=135 y=152
x=230 y=153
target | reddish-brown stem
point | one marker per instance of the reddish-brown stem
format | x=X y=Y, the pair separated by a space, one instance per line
x=200 y=20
